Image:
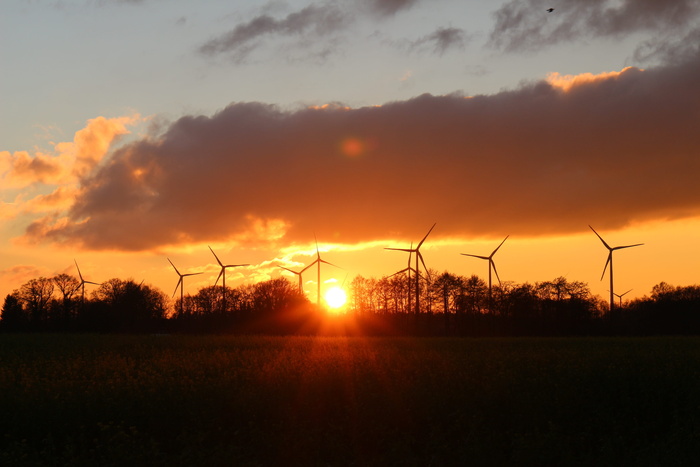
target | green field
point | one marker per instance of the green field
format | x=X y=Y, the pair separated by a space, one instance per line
x=183 y=400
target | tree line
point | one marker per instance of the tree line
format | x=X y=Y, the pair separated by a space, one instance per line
x=448 y=304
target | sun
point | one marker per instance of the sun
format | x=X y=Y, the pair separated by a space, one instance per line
x=336 y=297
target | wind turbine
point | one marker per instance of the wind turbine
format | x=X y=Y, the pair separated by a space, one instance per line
x=407 y=270
x=298 y=273
x=419 y=256
x=622 y=295
x=181 y=283
x=492 y=265
x=82 y=282
x=610 y=262
x=223 y=273
x=318 y=262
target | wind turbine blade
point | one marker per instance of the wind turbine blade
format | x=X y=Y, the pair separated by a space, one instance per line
x=426 y=236
x=499 y=246
x=192 y=274
x=492 y=264
x=79 y=273
x=178 y=285
x=627 y=246
x=606 y=265
x=217 y=258
x=221 y=273
x=93 y=283
x=171 y=263
x=420 y=257
x=476 y=256
x=400 y=249
x=307 y=267
x=287 y=269
x=601 y=238
x=401 y=272
x=317 y=252
x=330 y=264
x=235 y=265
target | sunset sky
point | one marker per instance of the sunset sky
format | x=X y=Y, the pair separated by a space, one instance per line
x=133 y=131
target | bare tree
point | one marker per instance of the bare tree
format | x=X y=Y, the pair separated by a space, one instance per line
x=36 y=295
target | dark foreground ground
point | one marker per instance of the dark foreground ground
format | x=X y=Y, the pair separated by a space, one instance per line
x=87 y=400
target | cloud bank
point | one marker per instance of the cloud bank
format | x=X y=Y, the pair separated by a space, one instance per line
x=547 y=158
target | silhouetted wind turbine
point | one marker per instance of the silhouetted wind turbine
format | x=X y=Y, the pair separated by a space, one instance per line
x=318 y=262
x=223 y=273
x=610 y=262
x=407 y=270
x=298 y=273
x=419 y=256
x=492 y=265
x=622 y=295
x=82 y=282
x=181 y=283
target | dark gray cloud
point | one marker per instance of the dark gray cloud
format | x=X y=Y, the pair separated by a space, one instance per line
x=441 y=40
x=525 y=25
x=389 y=7
x=542 y=159
x=669 y=50
x=317 y=30
x=314 y=20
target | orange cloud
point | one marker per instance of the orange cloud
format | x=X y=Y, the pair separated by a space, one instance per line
x=61 y=198
x=21 y=169
x=567 y=82
x=70 y=161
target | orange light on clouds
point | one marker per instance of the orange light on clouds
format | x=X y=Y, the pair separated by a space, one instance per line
x=567 y=82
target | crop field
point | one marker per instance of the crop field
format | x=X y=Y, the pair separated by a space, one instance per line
x=87 y=400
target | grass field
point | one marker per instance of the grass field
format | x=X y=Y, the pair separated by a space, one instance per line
x=187 y=400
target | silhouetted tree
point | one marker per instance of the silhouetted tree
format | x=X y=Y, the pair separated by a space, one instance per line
x=275 y=295
x=13 y=318
x=132 y=307
x=36 y=295
x=67 y=286
x=474 y=299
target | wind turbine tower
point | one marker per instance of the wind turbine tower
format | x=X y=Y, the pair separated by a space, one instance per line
x=610 y=262
x=318 y=262
x=408 y=269
x=223 y=273
x=619 y=296
x=492 y=265
x=181 y=284
x=419 y=256
x=82 y=282
x=296 y=273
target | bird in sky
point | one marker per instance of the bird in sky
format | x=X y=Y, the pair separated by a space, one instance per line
x=549 y=10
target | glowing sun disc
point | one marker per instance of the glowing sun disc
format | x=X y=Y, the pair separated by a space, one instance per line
x=336 y=297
